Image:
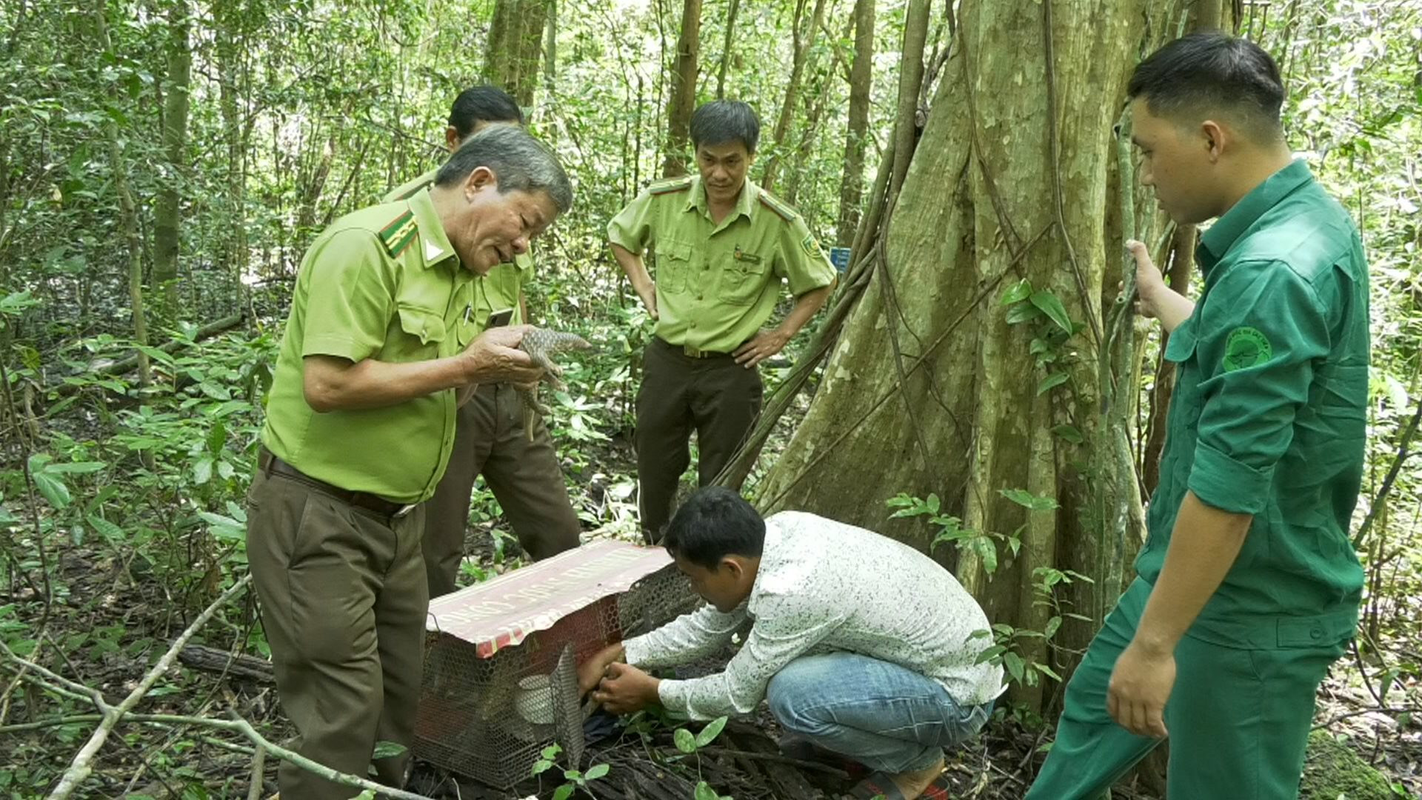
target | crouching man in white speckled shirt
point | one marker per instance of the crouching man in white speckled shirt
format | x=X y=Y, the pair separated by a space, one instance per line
x=862 y=646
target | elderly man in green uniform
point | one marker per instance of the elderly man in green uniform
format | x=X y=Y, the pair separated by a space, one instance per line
x=1248 y=585
x=489 y=437
x=360 y=422
x=723 y=246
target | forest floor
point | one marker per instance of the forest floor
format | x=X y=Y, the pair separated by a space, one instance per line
x=110 y=619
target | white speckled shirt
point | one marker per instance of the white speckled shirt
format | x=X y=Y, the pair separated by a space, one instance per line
x=827 y=587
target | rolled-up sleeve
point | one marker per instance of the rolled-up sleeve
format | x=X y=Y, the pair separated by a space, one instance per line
x=1261 y=330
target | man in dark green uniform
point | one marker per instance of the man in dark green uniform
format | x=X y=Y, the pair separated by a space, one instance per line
x=1248 y=585
x=723 y=247
x=489 y=437
x=360 y=423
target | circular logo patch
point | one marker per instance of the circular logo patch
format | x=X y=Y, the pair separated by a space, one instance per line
x=1246 y=347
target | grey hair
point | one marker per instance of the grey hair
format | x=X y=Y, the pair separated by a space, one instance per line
x=519 y=163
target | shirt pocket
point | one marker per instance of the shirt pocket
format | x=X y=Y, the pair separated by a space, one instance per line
x=674 y=266
x=742 y=279
x=1185 y=399
x=426 y=330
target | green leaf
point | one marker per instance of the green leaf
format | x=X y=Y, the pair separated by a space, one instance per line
x=202 y=471
x=685 y=742
x=76 y=467
x=53 y=490
x=596 y=771
x=542 y=766
x=1069 y=433
x=1019 y=292
x=1022 y=312
x=228 y=528
x=564 y=792
x=368 y=794
x=988 y=551
x=388 y=749
x=1051 y=382
x=1027 y=500
x=709 y=733
x=1046 y=670
x=1052 y=307
x=1053 y=625
x=1014 y=665
x=216 y=438
x=705 y=792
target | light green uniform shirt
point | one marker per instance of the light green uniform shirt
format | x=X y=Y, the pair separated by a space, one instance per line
x=1269 y=415
x=717 y=284
x=381 y=283
x=504 y=283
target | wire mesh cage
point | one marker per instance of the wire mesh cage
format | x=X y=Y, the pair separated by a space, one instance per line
x=500 y=679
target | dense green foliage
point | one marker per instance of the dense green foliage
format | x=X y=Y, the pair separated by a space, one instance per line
x=120 y=504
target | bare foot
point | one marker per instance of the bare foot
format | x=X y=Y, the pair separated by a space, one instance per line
x=912 y=784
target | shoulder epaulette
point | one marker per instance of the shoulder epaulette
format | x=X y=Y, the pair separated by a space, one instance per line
x=416 y=189
x=670 y=186
x=778 y=206
x=399 y=233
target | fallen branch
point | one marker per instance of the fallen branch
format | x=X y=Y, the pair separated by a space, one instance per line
x=131 y=362
x=80 y=768
x=211 y=659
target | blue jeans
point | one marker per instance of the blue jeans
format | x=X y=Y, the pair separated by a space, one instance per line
x=884 y=716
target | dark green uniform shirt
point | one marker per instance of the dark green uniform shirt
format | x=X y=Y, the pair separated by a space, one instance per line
x=1268 y=414
x=382 y=283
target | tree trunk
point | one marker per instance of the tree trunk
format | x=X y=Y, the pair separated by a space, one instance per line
x=861 y=76
x=550 y=46
x=726 y=49
x=228 y=33
x=515 y=44
x=128 y=214
x=987 y=201
x=167 y=210
x=682 y=100
x=803 y=41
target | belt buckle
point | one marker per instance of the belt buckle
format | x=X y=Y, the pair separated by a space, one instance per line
x=405 y=509
x=691 y=352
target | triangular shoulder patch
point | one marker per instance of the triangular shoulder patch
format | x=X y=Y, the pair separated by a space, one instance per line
x=399 y=233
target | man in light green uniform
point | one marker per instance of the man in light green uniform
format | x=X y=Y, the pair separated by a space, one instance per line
x=489 y=437
x=1248 y=585
x=723 y=246
x=360 y=420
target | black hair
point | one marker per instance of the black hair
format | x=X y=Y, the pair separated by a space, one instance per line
x=519 y=163
x=722 y=121
x=483 y=103
x=1209 y=72
x=713 y=523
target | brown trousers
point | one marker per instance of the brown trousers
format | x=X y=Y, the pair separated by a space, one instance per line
x=712 y=395
x=489 y=439
x=343 y=601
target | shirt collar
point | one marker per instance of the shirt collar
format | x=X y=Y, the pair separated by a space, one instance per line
x=434 y=244
x=745 y=203
x=1222 y=235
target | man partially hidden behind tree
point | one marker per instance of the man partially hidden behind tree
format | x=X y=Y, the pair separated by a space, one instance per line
x=1248 y=585
x=489 y=435
x=723 y=247
x=864 y=647
x=359 y=427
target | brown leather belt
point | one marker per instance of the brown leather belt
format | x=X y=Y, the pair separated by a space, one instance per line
x=271 y=465
x=693 y=352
